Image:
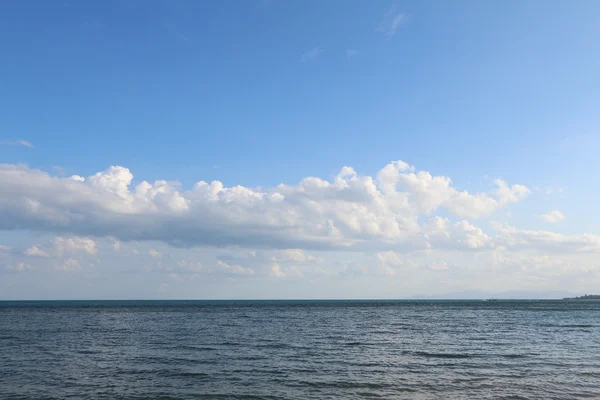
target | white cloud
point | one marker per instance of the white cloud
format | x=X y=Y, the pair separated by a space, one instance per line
x=153 y=253
x=312 y=54
x=63 y=245
x=442 y=234
x=35 y=251
x=69 y=265
x=23 y=143
x=389 y=262
x=438 y=265
x=391 y=21
x=352 y=52
x=516 y=239
x=296 y=256
x=193 y=269
x=349 y=212
x=553 y=216
x=227 y=269
x=275 y=271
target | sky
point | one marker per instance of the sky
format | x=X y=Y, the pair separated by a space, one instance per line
x=284 y=149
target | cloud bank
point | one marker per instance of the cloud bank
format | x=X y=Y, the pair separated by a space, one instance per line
x=348 y=212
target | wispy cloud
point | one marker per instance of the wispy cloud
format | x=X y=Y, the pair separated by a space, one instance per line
x=352 y=52
x=23 y=143
x=553 y=216
x=312 y=54
x=390 y=23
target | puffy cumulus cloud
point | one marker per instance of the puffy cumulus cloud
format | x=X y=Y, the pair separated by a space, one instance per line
x=63 y=246
x=295 y=256
x=69 y=265
x=66 y=245
x=553 y=216
x=35 y=251
x=275 y=270
x=439 y=265
x=462 y=235
x=224 y=268
x=517 y=239
x=348 y=212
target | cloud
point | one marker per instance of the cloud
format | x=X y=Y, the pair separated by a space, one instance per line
x=349 y=212
x=516 y=239
x=69 y=265
x=438 y=265
x=74 y=244
x=153 y=253
x=312 y=54
x=553 y=217
x=23 y=143
x=62 y=246
x=389 y=262
x=391 y=21
x=20 y=267
x=193 y=269
x=35 y=251
x=274 y=270
x=223 y=267
x=352 y=52
x=442 y=234
x=5 y=250
x=296 y=256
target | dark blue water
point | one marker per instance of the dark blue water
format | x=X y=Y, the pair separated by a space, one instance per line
x=300 y=350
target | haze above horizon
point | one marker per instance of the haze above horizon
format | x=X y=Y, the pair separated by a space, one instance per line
x=274 y=149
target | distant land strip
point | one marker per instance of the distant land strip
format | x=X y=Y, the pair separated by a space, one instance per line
x=584 y=297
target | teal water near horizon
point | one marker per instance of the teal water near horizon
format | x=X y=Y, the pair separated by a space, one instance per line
x=300 y=349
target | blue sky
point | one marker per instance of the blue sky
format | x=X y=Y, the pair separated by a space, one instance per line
x=260 y=93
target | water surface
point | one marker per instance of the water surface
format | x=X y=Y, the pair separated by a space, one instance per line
x=300 y=350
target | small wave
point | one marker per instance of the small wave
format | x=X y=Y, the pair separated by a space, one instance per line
x=189 y=374
x=175 y=373
x=356 y=344
x=227 y=343
x=250 y=358
x=194 y=348
x=443 y=355
x=275 y=346
x=87 y=352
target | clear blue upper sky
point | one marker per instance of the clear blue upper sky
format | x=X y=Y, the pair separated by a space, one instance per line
x=263 y=92
x=172 y=88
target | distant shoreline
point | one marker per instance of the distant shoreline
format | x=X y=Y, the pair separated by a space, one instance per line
x=584 y=297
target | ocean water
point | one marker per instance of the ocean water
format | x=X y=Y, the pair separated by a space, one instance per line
x=300 y=350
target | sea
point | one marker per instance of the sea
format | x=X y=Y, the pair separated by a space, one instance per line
x=300 y=349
